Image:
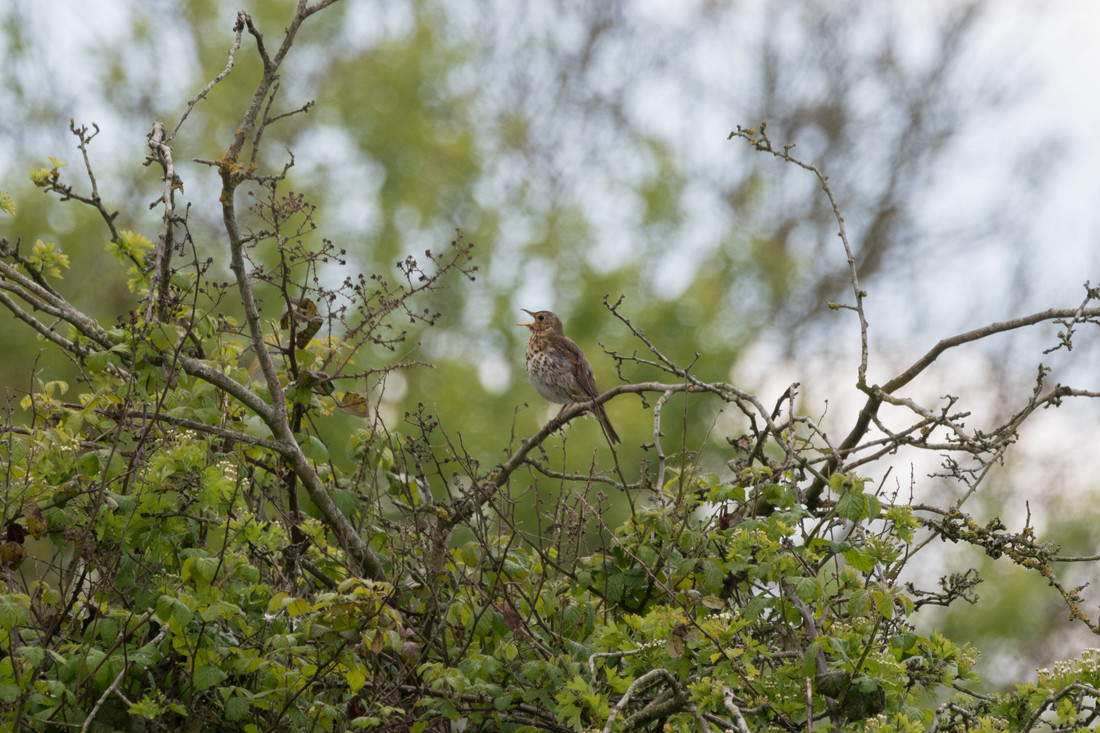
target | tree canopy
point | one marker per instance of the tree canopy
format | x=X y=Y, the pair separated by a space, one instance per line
x=270 y=470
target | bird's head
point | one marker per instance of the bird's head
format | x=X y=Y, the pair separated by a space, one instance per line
x=542 y=322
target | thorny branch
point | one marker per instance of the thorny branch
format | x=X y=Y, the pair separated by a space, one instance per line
x=877 y=395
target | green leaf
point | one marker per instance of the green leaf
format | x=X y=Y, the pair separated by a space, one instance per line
x=236 y=707
x=713 y=576
x=107 y=629
x=89 y=464
x=181 y=614
x=164 y=336
x=313 y=448
x=859 y=560
x=296 y=607
x=806 y=588
x=356 y=678
x=874 y=506
x=145 y=656
x=635 y=578
x=614 y=588
x=201 y=570
x=32 y=654
x=884 y=604
x=220 y=609
x=713 y=602
x=256 y=427
x=12 y=611
x=174 y=612
x=208 y=676
x=852 y=506
x=146 y=708
x=905 y=644
x=346 y=501
x=97 y=361
x=859 y=603
x=809 y=659
x=181 y=281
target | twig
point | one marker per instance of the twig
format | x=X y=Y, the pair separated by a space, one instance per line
x=113 y=687
x=162 y=256
x=647 y=679
x=727 y=700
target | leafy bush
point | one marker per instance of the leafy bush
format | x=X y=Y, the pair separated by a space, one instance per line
x=188 y=547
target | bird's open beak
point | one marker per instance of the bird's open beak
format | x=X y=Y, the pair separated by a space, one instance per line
x=529 y=325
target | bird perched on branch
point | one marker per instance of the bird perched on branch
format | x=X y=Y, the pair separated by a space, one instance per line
x=557 y=368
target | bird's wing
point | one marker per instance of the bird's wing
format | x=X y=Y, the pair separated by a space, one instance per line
x=582 y=370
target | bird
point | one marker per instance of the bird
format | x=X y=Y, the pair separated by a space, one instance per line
x=558 y=370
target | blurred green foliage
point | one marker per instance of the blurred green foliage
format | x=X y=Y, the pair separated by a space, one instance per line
x=419 y=130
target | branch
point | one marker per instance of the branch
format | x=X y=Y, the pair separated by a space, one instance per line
x=235 y=436
x=463 y=508
x=275 y=414
x=206 y=90
x=95 y=200
x=113 y=687
x=659 y=707
x=727 y=700
x=46 y=299
x=1056 y=696
x=877 y=395
x=162 y=259
x=43 y=330
x=760 y=141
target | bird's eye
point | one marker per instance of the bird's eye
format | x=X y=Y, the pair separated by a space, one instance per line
x=542 y=317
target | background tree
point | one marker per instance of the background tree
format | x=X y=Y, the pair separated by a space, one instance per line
x=428 y=176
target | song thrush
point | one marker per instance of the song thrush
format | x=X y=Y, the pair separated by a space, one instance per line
x=558 y=369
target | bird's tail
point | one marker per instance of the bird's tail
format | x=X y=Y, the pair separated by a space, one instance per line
x=605 y=423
